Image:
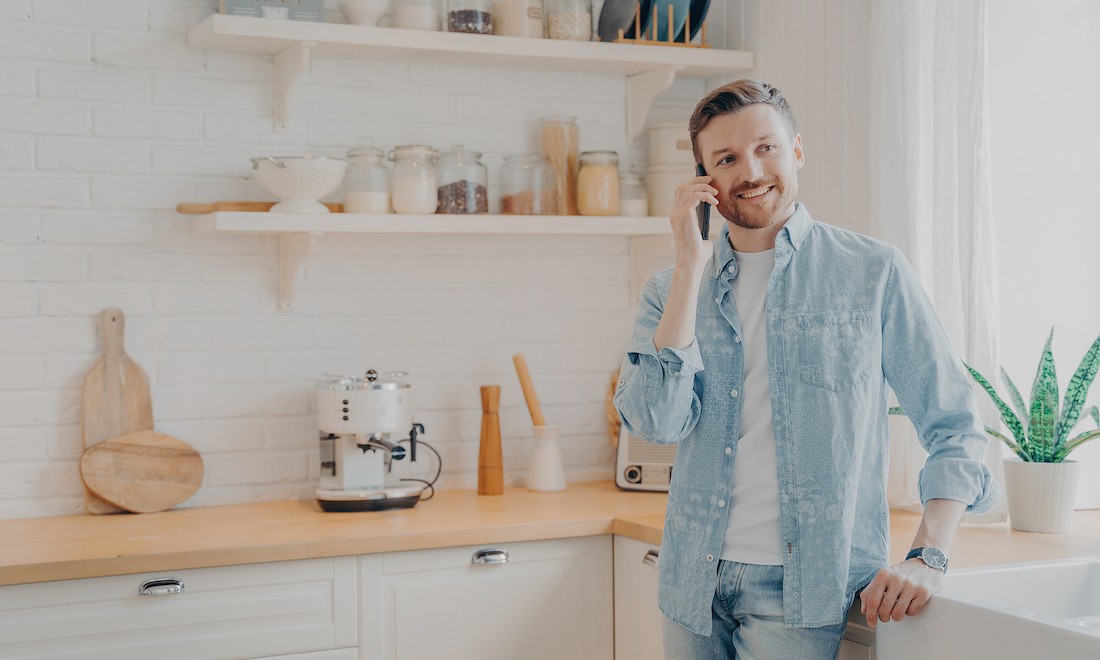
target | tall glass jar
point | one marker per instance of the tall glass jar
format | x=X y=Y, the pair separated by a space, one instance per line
x=633 y=201
x=517 y=18
x=528 y=186
x=367 y=182
x=415 y=182
x=471 y=16
x=462 y=182
x=568 y=19
x=559 y=142
x=415 y=15
x=598 y=183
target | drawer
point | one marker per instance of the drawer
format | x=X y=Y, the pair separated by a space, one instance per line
x=225 y=612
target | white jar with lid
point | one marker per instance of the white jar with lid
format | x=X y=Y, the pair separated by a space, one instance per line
x=415 y=15
x=367 y=182
x=415 y=182
x=517 y=18
x=633 y=201
x=598 y=183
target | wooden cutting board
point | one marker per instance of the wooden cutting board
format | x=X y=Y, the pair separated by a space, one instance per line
x=193 y=208
x=142 y=472
x=115 y=399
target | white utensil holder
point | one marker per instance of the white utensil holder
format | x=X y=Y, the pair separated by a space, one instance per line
x=546 y=474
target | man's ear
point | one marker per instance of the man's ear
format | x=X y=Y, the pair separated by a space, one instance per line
x=799 y=155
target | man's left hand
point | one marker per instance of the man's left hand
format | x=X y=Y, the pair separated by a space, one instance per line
x=899 y=591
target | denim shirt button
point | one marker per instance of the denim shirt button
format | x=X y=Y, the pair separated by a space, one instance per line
x=729 y=450
x=721 y=503
x=737 y=339
x=733 y=393
x=710 y=557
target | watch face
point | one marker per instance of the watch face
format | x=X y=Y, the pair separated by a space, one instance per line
x=934 y=557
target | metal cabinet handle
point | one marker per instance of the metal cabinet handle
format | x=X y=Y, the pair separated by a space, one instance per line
x=490 y=556
x=651 y=557
x=161 y=587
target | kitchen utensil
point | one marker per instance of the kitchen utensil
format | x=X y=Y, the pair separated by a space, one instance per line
x=528 y=390
x=546 y=474
x=621 y=15
x=115 y=398
x=196 y=208
x=142 y=472
x=363 y=12
x=361 y=422
x=696 y=15
x=299 y=181
x=490 y=462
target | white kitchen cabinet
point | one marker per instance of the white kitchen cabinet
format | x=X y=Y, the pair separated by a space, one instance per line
x=859 y=640
x=248 y=611
x=536 y=600
x=637 y=619
x=336 y=654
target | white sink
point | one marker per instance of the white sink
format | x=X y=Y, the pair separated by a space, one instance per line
x=1048 y=609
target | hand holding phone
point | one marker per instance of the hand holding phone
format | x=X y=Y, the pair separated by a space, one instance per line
x=702 y=212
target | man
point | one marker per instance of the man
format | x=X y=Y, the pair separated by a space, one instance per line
x=767 y=357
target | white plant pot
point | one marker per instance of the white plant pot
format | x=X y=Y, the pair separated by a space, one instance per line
x=1041 y=495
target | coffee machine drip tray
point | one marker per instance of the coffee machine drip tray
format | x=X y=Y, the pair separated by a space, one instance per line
x=393 y=497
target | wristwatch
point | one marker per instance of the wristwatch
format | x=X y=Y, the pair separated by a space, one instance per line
x=933 y=557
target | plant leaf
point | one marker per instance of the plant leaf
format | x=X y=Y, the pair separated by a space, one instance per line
x=1010 y=419
x=1014 y=394
x=1016 y=449
x=1077 y=441
x=1044 y=404
x=1076 y=390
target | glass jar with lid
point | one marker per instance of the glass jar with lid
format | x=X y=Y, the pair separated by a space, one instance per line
x=471 y=16
x=414 y=182
x=633 y=200
x=559 y=141
x=568 y=19
x=598 y=183
x=367 y=182
x=462 y=182
x=414 y=15
x=517 y=18
x=528 y=185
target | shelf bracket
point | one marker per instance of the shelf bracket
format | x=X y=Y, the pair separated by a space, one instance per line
x=641 y=89
x=289 y=64
x=293 y=250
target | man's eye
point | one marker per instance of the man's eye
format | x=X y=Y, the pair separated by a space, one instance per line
x=767 y=147
x=726 y=160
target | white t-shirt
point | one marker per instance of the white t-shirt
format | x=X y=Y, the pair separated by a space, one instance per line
x=752 y=529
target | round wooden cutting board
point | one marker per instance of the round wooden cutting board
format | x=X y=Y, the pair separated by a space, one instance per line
x=142 y=472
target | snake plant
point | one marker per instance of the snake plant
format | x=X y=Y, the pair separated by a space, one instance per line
x=1040 y=433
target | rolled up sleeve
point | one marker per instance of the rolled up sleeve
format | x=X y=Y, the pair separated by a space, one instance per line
x=934 y=389
x=655 y=395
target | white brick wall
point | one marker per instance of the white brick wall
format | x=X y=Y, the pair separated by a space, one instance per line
x=108 y=119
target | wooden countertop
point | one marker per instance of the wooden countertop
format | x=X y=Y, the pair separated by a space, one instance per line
x=66 y=547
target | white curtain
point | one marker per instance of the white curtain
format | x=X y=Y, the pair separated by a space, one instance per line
x=930 y=188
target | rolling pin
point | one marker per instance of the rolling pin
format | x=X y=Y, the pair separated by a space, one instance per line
x=490 y=462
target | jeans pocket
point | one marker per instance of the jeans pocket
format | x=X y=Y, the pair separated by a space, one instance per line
x=833 y=349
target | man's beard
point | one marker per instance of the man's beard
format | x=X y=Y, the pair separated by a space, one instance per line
x=751 y=217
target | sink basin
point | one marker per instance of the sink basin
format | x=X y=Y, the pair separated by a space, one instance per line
x=1038 y=609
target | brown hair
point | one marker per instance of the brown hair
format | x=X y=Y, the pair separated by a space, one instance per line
x=731 y=99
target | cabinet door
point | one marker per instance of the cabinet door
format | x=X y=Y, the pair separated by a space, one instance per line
x=542 y=600
x=637 y=619
x=225 y=612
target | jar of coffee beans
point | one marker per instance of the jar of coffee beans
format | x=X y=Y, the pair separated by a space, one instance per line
x=462 y=182
x=472 y=16
x=568 y=19
x=528 y=186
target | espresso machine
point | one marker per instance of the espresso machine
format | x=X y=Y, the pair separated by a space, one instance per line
x=362 y=420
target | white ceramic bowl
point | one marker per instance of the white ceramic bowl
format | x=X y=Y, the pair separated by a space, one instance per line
x=299 y=181
x=363 y=12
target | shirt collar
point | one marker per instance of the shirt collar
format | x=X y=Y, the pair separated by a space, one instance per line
x=793 y=233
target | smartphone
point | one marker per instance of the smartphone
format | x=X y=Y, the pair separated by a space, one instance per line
x=702 y=212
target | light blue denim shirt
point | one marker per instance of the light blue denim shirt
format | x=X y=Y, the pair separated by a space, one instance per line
x=846 y=320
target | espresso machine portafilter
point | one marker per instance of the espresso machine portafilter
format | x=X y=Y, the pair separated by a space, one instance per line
x=361 y=422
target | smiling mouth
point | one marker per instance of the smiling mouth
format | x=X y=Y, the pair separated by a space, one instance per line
x=755 y=193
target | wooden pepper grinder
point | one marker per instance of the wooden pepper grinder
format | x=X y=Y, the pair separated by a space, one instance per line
x=490 y=463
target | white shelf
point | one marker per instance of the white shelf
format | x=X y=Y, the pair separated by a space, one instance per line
x=651 y=68
x=299 y=232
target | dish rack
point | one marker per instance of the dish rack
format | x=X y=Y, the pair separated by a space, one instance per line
x=649 y=38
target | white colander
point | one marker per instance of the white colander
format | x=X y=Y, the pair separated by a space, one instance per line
x=299 y=181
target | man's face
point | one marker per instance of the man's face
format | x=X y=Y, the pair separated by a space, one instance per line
x=754 y=160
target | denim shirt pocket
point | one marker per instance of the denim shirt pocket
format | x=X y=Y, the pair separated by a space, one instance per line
x=833 y=349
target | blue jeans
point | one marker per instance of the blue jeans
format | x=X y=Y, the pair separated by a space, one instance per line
x=747 y=620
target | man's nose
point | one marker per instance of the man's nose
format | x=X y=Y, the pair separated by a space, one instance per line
x=751 y=170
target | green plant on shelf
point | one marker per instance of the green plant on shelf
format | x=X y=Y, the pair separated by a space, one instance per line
x=1040 y=431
